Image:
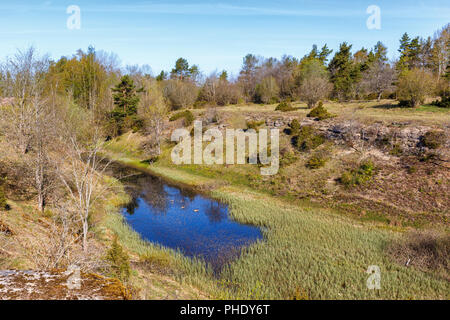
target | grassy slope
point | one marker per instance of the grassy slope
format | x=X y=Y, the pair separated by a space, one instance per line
x=309 y=251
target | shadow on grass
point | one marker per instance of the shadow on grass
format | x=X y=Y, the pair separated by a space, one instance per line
x=390 y=106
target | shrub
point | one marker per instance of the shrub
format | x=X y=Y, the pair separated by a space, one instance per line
x=294 y=128
x=180 y=94
x=396 y=150
x=414 y=86
x=307 y=139
x=187 y=115
x=320 y=113
x=119 y=261
x=255 y=124
x=358 y=176
x=287 y=158
x=284 y=107
x=317 y=161
x=3 y=204
x=433 y=139
x=443 y=103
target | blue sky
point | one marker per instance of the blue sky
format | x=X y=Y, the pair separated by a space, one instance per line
x=212 y=34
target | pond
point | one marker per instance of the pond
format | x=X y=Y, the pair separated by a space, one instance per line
x=181 y=219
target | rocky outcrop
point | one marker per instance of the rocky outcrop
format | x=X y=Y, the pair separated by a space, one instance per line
x=58 y=285
x=406 y=136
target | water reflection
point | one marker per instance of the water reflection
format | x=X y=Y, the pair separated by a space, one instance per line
x=181 y=219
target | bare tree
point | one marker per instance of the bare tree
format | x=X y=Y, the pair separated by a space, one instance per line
x=315 y=88
x=379 y=78
x=80 y=165
x=59 y=246
x=27 y=121
x=180 y=94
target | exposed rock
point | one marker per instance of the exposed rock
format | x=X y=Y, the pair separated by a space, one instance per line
x=58 y=285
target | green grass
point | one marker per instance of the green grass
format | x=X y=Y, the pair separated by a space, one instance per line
x=305 y=249
x=371 y=111
x=318 y=252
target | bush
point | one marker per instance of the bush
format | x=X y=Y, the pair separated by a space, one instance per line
x=443 y=103
x=187 y=115
x=3 y=204
x=284 y=107
x=255 y=124
x=414 y=86
x=180 y=94
x=119 y=261
x=396 y=150
x=294 y=128
x=307 y=139
x=320 y=113
x=358 y=176
x=317 y=161
x=433 y=139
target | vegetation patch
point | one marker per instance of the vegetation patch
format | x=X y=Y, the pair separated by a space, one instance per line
x=186 y=115
x=284 y=107
x=3 y=203
x=320 y=113
x=294 y=128
x=358 y=176
x=119 y=261
x=307 y=139
x=433 y=139
x=316 y=161
x=255 y=124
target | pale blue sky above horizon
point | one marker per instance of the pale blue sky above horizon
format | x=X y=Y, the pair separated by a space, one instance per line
x=211 y=34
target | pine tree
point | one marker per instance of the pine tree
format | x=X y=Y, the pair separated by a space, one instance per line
x=324 y=53
x=414 y=53
x=162 y=76
x=380 y=52
x=119 y=261
x=403 y=62
x=182 y=71
x=126 y=101
x=344 y=73
x=125 y=96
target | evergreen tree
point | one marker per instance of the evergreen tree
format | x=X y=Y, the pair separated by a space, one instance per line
x=344 y=73
x=126 y=101
x=414 y=53
x=324 y=53
x=119 y=261
x=403 y=62
x=162 y=76
x=181 y=69
x=380 y=52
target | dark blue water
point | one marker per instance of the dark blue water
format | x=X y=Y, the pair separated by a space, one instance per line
x=182 y=220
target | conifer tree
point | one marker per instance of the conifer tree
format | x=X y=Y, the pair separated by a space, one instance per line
x=343 y=71
x=126 y=100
